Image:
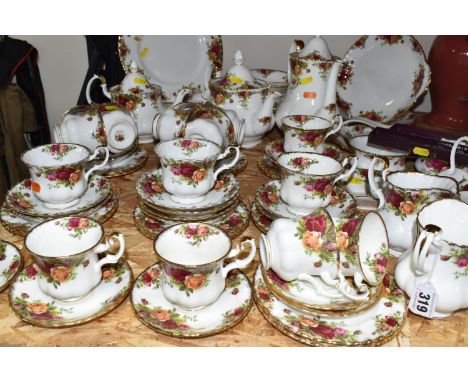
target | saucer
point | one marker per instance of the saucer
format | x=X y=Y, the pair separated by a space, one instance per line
x=22 y=200
x=261 y=221
x=373 y=327
x=152 y=308
x=10 y=263
x=150 y=190
x=267 y=197
x=131 y=163
x=303 y=297
x=19 y=224
x=37 y=308
x=233 y=223
x=275 y=148
x=269 y=167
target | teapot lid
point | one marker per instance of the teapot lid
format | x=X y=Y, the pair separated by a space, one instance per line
x=238 y=75
x=316 y=49
x=135 y=79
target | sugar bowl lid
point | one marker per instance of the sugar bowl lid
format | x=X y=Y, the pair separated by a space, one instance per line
x=135 y=79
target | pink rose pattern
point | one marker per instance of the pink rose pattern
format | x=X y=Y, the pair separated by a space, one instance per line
x=377 y=262
x=196 y=233
x=459 y=257
x=190 y=173
x=57 y=150
x=77 y=226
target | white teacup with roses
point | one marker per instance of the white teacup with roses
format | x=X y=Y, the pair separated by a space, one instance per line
x=57 y=170
x=66 y=254
x=192 y=256
x=307 y=180
x=188 y=167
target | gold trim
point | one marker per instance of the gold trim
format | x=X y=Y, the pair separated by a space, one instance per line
x=82 y=321
x=324 y=130
x=18 y=270
x=255 y=220
x=72 y=164
x=448 y=178
x=240 y=166
x=206 y=334
x=321 y=310
x=299 y=172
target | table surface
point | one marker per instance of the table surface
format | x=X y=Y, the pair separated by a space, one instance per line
x=122 y=328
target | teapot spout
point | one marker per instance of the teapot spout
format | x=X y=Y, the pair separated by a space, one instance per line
x=328 y=109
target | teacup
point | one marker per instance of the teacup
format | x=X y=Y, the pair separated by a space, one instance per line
x=58 y=176
x=363 y=245
x=192 y=256
x=402 y=196
x=307 y=133
x=358 y=184
x=439 y=256
x=66 y=252
x=304 y=249
x=307 y=180
x=188 y=167
x=94 y=125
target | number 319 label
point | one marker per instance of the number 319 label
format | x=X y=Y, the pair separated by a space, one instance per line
x=423 y=300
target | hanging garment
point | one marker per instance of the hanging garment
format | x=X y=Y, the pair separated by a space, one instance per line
x=104 y=60
x=19 y=59
x=17 y=118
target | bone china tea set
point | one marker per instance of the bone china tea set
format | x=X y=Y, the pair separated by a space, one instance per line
x=335 y=212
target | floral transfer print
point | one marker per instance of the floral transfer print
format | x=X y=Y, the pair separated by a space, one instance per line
x=152 y=185
x=389 y=39
x=403 y=203
x=149 y=278
x=280 y=283
x=316 y=188
x=57 y=150
x=309 y=138
x=435 y=166
x=345 y=76
x=372 y=115
x=164 y=319
x=8 y=272
x=347 y=241
x=301 y=163
x=344 y=105
x=418 y=80
x=416 y=46
x=386 y=324
x=360 y=43
x=377 y=262
x=270 y=195
x=185 y=280
x=459 y=257
x=190 y=173
x=234 y=220
x=100 y=134
x=189 y=146
x=76 y=226
x=57 y=271
x=38 y=310
x=196 y=233
x=215 y=50
x=136 y=97
x=234 y=314
x=317 y=233
x=59 y=177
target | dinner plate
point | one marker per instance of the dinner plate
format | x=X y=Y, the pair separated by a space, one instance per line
x=173 y=62
x=383 y=78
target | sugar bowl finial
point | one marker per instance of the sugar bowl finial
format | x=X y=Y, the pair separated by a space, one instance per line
x=239 y=58
x=133 y=67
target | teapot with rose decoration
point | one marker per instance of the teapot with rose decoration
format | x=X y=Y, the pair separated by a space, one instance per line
x=142 y=98
x=312 y=75
x=250 y=99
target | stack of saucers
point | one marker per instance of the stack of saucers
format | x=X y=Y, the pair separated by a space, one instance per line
x=162 y=193
x=59 y=186
x=323 y=281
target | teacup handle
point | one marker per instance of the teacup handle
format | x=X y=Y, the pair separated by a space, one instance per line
x=230 y=164
x=336 y=129
x=240 y=263
x=378 y=191
x=348 y=173
x=98 y=166
x=428 y=235
x=453 y=153
x=110 y=259
x=368 y=122
x=103 y=87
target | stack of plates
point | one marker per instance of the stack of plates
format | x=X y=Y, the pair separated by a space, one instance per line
x=157 y=211
x=124 y=164
x=22 y=210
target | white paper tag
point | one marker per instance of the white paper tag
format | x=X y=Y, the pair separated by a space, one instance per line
x=423 y=300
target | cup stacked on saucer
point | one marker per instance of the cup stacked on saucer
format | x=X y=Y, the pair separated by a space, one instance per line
x=59 y=186
x=108 y=125
x=323 y=280
x=186 y=187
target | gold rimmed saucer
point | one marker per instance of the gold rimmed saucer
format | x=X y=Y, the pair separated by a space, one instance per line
x=135 y=161
x=11 y=262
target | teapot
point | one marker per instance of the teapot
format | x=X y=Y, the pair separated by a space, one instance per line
x=136 y=94
x=313 y=73
x=248 y=98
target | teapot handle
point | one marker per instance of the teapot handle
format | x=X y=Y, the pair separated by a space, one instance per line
x=453 y=153
x=372 y=183
x=103 y=87
x=348 y=173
